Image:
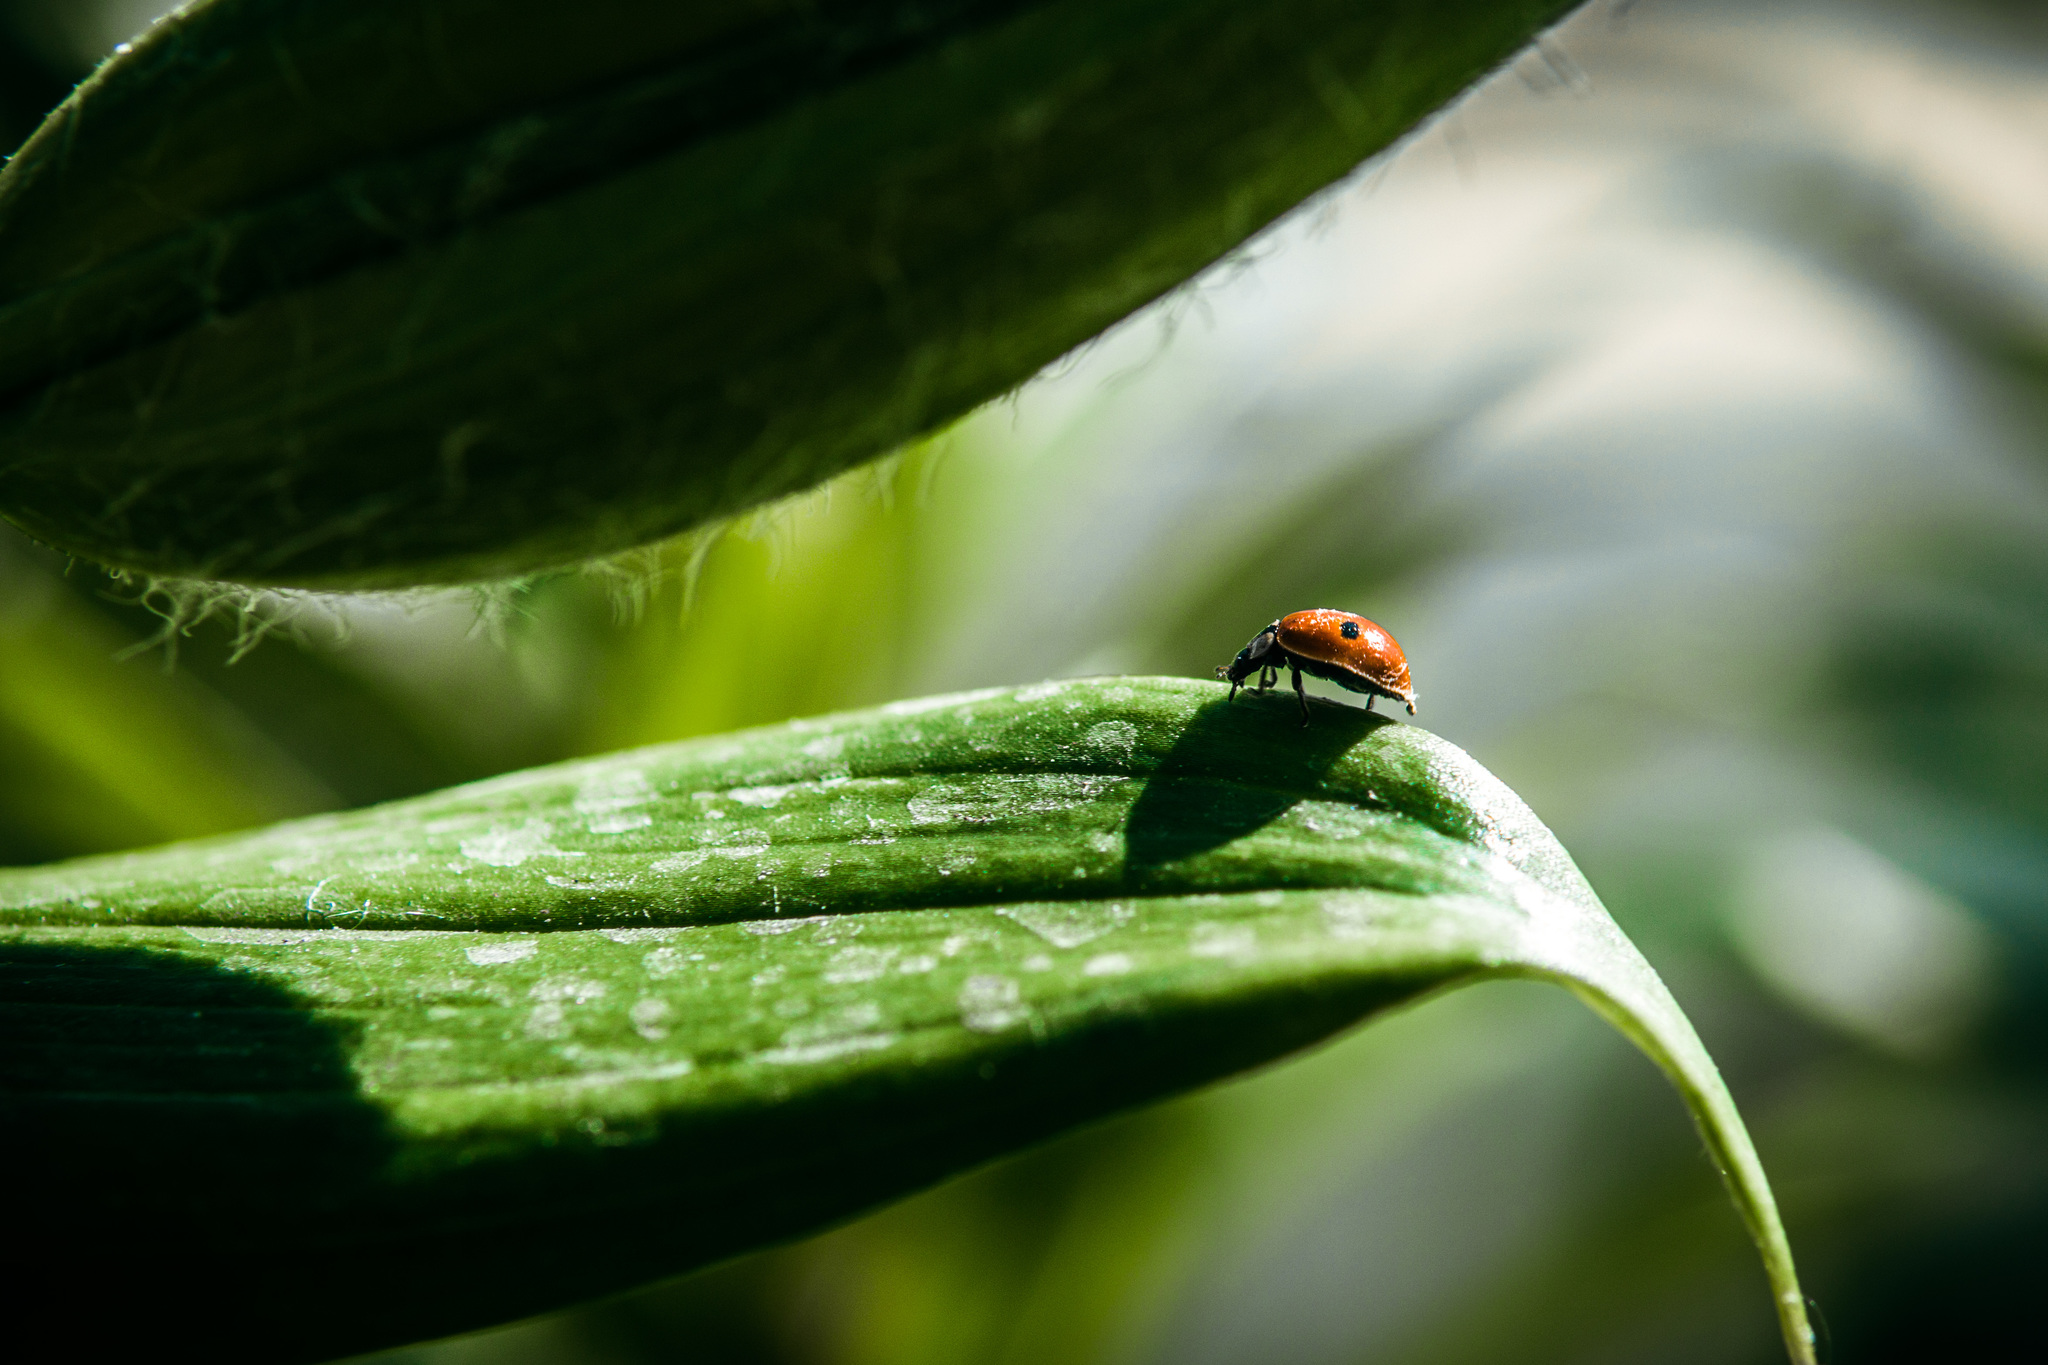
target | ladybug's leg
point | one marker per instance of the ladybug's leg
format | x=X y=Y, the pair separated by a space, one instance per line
x=1368 y=701
x=1299 y=692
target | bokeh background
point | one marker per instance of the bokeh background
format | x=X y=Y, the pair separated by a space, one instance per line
x=1680 y=400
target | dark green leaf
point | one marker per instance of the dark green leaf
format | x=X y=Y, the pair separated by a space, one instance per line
x=398 y=1072
x=374 y=292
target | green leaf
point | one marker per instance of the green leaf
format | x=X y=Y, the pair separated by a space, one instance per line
x=380 y=292
x=399 y=1072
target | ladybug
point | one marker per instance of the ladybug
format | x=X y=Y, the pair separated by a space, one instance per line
x=1347 y=650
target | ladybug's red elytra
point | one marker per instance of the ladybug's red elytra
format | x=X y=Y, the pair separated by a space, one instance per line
x=1350 y=651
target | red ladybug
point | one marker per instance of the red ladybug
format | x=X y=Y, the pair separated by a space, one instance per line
x=1347 y=650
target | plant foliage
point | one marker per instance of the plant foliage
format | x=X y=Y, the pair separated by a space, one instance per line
x=559 y=1033
x=376 y=292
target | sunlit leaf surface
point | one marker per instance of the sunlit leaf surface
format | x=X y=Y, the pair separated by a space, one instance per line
x=555 y=1034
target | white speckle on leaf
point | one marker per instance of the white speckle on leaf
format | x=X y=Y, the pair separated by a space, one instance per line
x=1111 y=739
x=831 y=928
x=990 y=1004
x=509 y=846
x=863 y=1015
x=916 y=966
x=781 y=926
x=763 y=798
x=210 y=935
x=640 y=935
x=1335 y=819
x=1069 y=924
x=740 y=850
x=619 y=822
x=577 y=990
x=825 y=747
x=1038 y=962
x=650 y=1015
x=1004 y=797
x=609 y=801
x=1224 y=940
x=676 y=863
x=498 y=954
x=768 y=976
x=339 y=936
x=664 y=962
x=937 y=806
x=1108 y=964
x=547 y=1020
x=1350 y=916
x=605 y=1068
x=799 y=1054
x=838 y=1034
x=1105 y=843
x=1044 y=691
x=858 y=964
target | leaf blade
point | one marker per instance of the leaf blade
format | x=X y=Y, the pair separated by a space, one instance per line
x=573 y=1061
x=269 y=320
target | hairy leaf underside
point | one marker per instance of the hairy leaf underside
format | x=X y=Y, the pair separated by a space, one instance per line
x=379 y=292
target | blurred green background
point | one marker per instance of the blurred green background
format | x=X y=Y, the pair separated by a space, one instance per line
x=1680 y=400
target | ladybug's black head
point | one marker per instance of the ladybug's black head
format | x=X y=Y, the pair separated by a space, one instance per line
x=1251 y=658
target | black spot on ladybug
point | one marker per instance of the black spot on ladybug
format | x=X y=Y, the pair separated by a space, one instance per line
x=1349 y=630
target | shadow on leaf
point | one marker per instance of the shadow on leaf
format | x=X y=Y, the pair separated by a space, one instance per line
x=158 y=1111
x=1235 y=768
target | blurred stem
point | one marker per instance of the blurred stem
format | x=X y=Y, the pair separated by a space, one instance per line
x=125 y=755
